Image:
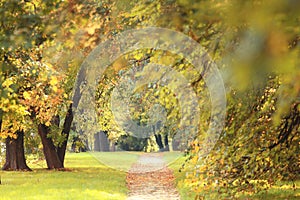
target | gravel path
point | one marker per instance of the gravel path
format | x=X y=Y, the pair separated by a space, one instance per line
x=150 y=179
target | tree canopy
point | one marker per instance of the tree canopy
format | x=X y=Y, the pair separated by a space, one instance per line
x=254 y=44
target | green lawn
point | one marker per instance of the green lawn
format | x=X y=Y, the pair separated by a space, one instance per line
x=120 y=160
x=87 y=179
x=281 y=191
x=102 y=176
x=171 y=157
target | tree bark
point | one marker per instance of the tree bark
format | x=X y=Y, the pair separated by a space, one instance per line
x=104 y=143
x=96 y=142
x=61 y=150
x=170 y=144
x=166 y=140
x=112 y=146
x=15 y=156
x=55 y=156
x=158 y=139
x=49 y=149
x=101 y=142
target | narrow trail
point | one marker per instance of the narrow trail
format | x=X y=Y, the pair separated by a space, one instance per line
x=150 y=179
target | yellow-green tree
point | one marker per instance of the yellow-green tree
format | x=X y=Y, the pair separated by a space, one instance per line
x=256 y=44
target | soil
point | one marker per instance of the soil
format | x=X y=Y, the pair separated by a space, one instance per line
x=150 y=178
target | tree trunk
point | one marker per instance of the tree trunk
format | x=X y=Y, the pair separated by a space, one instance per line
x=55 y=156
x=86 y=143
x=158 y=139
x=104 y=143
x=15 y=156
x=170 y=144
x=49 y=149
x=112 y=146
x=61 y=150
x=166 y=140
x=101 y=142
x=96 y=142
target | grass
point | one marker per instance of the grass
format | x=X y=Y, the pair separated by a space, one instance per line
x=87 y=179
x=281 y=191
x=102 y=176
x=184 y=190
x=175 y=161
x=120 y=160
x=171 y=157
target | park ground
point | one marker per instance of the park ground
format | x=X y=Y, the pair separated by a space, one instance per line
x=102 y=175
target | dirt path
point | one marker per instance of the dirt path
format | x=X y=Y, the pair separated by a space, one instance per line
x=150 y=179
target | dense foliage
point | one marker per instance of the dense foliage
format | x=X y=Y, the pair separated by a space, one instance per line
x=254 y=43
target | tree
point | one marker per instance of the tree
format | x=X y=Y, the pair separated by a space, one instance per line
x=34 y=88
x=19 y=62
x=15 y=157
x=259 y=52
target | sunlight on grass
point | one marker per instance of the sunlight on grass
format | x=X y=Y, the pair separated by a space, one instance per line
x=88 y=179
x=281 y=191
x=121 y=160
x=171 y=157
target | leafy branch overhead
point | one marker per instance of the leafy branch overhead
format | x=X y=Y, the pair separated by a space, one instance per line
x=254 y=44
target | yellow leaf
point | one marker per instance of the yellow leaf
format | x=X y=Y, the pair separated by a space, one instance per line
x=7 y=83
x=26 y=95
x=47 y=124
x=138 y=56
x=53 y=81
x=54 y=88
x=91 y=30
x=5 y=101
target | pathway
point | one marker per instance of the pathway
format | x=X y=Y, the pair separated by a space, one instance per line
x=150 y=179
